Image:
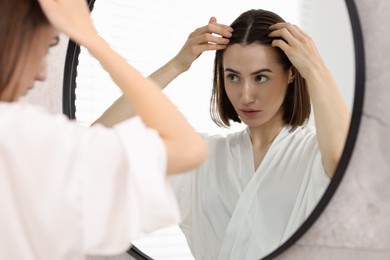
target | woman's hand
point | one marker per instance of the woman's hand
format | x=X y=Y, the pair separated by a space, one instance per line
x=331 y=114
x=71 y=17
x=206 y=38
x=299 y=48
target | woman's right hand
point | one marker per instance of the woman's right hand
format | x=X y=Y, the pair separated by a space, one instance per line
x=213 y=36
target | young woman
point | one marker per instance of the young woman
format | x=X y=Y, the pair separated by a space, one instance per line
x=67 y=191
x=259 y=185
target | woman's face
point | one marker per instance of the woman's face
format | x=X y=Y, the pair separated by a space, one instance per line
x=255 y=83
x=33 y=65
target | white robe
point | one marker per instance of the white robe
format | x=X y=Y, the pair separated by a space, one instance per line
x=232 y=211
x=67 y=191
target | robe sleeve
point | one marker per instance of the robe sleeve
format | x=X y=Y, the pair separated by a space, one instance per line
x=182 y=187
x=319 y=180
x=68 y=190
x=318 y=183
x=139 y=197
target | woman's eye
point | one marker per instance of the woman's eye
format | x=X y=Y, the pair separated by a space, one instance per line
x=260 y=78
x=232 y=77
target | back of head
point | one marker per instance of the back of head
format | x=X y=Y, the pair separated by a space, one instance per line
x=19 y=22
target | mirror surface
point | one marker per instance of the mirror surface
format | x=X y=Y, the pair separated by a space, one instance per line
x=150 y=32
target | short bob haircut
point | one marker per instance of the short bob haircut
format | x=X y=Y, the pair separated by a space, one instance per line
x=253 y=27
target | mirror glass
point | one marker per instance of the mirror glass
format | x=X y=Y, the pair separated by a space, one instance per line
x=150 y=32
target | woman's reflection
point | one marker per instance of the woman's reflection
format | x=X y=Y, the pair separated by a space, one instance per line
x=258 y=185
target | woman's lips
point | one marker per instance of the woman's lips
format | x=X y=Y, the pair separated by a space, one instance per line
x=248 y=113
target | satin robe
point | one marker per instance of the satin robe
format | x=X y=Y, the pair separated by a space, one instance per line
x=230 y=210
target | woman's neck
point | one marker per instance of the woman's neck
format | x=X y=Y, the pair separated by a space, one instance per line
x=262 y=136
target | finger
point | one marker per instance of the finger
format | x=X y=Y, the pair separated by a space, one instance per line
x=213 y=20
x=225 y=27
x=211 y=30
x=206 y=39
x=284 y=46
x=210 y=38
x=218 y=29
x=215 y=47
x=278 y=26
x=301 y=31
x=283 y=27
x=284 y=34
x=209 y=47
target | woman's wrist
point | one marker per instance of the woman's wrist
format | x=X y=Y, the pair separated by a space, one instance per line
x=178 y=65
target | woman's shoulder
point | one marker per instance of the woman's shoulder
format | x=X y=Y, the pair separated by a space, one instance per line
x=228 y=138
x=303 y=132
x=20 y=113
x=19 y=110
x=302 y=137
x=16 y=107
x=36 y=124
x=303 y=141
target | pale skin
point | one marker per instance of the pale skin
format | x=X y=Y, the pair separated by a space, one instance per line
x=332 y=116
x=256 y=85
x=185 y=149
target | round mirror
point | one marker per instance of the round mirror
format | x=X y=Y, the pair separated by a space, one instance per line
x=148 y=33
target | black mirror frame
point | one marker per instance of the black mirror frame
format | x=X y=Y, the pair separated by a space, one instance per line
x=357 y=111
x=69 y=109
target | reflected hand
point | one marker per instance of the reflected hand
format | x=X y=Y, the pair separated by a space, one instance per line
x=206 y=38
x=299 y=48
x=71 y=17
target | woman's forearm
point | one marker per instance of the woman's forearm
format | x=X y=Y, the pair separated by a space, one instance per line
x=197 y=42
x=185 y=148
x=121 y=109
x=332 y=117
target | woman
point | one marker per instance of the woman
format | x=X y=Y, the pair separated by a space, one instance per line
x=259 y=185
x=67 y=191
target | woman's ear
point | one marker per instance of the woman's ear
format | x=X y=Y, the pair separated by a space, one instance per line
x=291 y=74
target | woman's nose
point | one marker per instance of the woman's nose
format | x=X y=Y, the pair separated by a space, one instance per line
x=247 y=96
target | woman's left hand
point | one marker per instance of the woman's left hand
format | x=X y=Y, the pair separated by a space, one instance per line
x=298 y=46
x=331 y=114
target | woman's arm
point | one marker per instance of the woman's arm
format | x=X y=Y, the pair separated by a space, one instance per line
x=121 y=109
x=332 y=116
x=185 y=148
x=202 y=39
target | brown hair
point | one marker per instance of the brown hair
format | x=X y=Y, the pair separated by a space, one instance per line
x=253 y=27
x=19 y=22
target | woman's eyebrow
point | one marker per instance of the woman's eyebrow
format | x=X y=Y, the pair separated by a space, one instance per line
x=253 y=73
x=261 y=71
x=231 y=70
